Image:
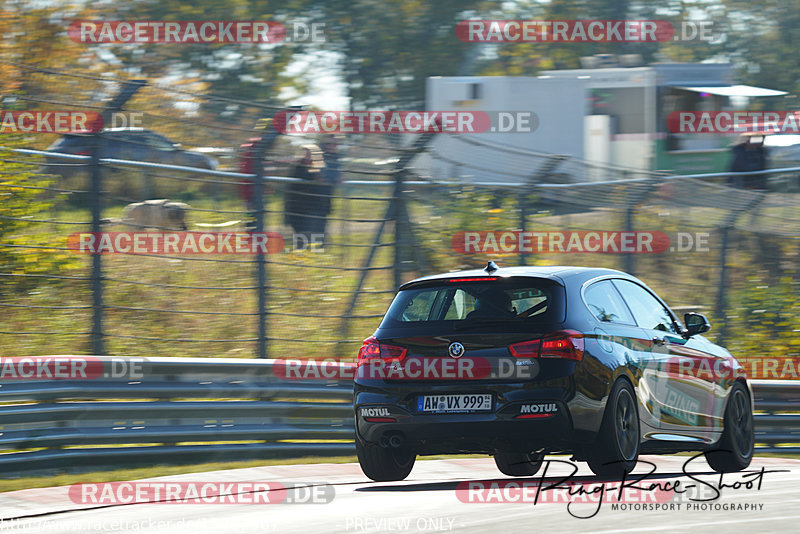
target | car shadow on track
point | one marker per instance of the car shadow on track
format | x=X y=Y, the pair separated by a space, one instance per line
x=635 y=478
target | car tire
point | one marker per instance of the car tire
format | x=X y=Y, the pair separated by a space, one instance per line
x=516 y=464
x=617 y=448
x=384 y=464
x=734 y=450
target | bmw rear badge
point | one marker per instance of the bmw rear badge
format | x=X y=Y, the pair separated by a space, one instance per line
x=456 y=349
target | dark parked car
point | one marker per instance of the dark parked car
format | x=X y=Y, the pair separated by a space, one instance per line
x=521 y=362
x=125 y=143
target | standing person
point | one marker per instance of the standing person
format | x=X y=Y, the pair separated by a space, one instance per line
x=247 y=165
x=330 y=153
x=303 y=207
x=249 y=161
x=332 y=177
x=747 y=156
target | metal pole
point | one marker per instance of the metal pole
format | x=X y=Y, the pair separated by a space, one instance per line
x=98 y=346
x=268 y=137
x=522 y=202
x=541 y=175
x=722 y=285
x=261 y=266
x=629 y=260
x=635 y=195
x=129 y=88
x=726 y=226
x=395 y=209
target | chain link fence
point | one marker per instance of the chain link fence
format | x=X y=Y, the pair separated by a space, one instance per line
x=730 y=252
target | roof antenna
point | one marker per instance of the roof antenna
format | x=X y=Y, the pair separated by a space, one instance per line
x=490 y=267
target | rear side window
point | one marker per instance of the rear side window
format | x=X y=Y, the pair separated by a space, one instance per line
x=647 y=310
x=606 y=304
x=524 y=299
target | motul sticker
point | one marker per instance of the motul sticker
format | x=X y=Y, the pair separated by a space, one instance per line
x=539 y=408
x=375 y=412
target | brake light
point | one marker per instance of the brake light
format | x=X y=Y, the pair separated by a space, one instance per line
x=372 y=348
x=526 y=349
x=482 y=279
x=83 y=153
x=566 y=344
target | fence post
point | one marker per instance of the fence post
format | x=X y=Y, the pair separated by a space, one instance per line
x=95 y=187
x=629 y=259
x=722 y=284
x=268 y=137
x=635 y=195
x=726 y=226
x=523 y=199
x=96 y=191
x=397 y=205
x=396 y=211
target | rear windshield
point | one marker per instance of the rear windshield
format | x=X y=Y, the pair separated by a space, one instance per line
x=519 y=301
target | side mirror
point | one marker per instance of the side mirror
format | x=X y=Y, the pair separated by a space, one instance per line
x=696 y=323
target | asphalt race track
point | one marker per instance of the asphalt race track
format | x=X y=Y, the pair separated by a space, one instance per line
x=437 y=498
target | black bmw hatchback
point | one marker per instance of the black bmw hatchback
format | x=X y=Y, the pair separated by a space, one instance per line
x=525 y=361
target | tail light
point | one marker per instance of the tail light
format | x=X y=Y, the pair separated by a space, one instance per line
x=566 y=344
x=526 y=349
x=372 y=348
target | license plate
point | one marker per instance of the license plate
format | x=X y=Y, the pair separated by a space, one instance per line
x=455 y=403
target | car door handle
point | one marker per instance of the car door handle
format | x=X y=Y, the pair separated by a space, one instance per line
x=659 y=340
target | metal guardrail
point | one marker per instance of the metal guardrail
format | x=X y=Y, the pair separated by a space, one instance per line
x=778 y=419
x=197 y=409
x=171 y=409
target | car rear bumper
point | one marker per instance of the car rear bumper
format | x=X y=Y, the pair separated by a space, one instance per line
x=522 y=419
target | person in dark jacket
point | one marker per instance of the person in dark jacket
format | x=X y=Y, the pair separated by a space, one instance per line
x=331 y=178
x=304 y=208
x=749 y=155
